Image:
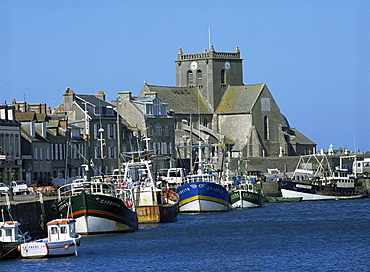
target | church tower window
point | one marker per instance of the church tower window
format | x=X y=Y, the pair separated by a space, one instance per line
x=190 y=78
x=222 y=76
x=200 y=77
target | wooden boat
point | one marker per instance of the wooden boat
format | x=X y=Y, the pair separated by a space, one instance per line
x=152 y=204
x=62 y=240
x=11 y=238
x=96 y=207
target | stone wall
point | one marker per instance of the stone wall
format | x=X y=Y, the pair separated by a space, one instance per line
x=32 y=215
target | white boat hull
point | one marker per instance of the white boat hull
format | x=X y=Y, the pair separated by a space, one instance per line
x=203 y=206
x=41 y=248
x=308 y=196
x=95 y=225
x=244 y=204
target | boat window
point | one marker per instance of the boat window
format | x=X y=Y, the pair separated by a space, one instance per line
x=8 y=232
x=72 y=228
x=53 y=230
x=63 y=229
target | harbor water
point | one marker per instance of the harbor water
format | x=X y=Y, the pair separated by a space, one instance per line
x=301 y=236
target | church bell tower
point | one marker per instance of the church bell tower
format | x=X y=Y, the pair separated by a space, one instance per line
x=211 y=72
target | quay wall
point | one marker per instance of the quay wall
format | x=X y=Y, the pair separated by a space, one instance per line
x=32 y=214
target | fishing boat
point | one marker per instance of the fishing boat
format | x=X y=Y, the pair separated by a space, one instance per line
x=202 y=192
x=96 y=207
x=246 y=194
x=10 y=238
x=246 y=188
x=320 y=183
x=152 y=204
x=62 y=240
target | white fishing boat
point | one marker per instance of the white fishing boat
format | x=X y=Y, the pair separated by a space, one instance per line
x=320 y=183
x=62 y=240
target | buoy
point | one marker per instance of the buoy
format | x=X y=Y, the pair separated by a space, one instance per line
x=66 y=246
x=129 y=204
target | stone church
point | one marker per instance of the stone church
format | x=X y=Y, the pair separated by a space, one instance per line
x=211 y=104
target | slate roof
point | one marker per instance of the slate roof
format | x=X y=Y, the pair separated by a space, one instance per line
x=25 y=116
x=239 y=99
x=181 y=99
x=301 y=139
x=92 y=100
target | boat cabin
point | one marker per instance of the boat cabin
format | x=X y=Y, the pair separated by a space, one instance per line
x=9 y=231
x=61 y=230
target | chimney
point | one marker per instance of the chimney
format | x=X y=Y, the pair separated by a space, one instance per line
x=100 y=95
x=125 y=96
x=68 y=98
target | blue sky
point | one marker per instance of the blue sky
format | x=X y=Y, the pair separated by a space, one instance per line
x=313 y=55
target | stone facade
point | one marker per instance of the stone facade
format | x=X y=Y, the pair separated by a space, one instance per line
x=210 y=94
x=151 y=118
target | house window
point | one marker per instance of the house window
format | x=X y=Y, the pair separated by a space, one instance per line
x=190 y=78
x=56 y=152
x=47 y=155
x=265 y=128
x=150 y=130
x=149 y=109
x=61 y=157
x=222 y=76
x=158 y=129
x=166 y=130
x=111 y=131
x=200 y=77
x=164 y=148
x=97 y=153
x=96 y=130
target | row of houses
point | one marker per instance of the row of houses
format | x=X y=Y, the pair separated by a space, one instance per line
x=84 y=133
x=210 y=104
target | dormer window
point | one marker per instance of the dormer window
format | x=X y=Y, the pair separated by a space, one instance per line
x=104 y=111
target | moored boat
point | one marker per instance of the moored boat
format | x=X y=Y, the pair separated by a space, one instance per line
x=202 y=193
x=283 y=199
x=11 y=238
x=320 y=183
x=246 y=195
x=62 y=240
x=152 y=204
x=96 y=208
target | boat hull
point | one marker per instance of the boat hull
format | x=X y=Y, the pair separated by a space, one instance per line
x=42 y=248
x=310 y=192
x=157 y=214
x=246 y=199
x=9 y=250
x=284 y=199
x=97 y=214
x=203 y=197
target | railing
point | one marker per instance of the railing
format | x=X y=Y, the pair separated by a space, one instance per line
x=206 y=55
